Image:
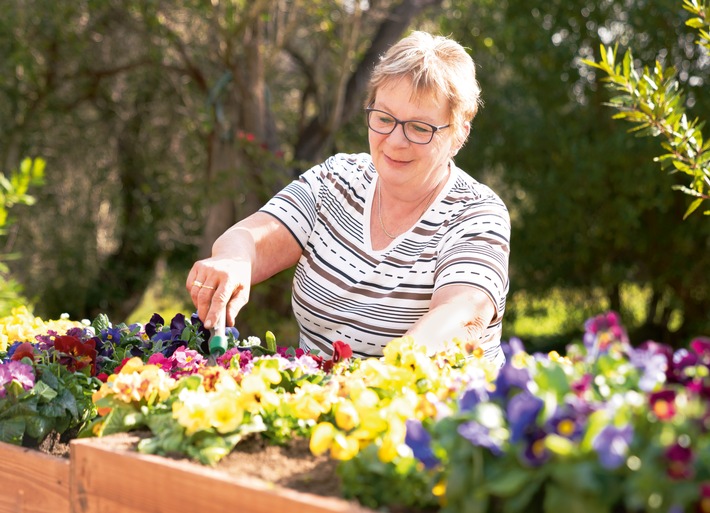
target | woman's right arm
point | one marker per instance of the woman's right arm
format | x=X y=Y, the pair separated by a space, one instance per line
x=249 y=252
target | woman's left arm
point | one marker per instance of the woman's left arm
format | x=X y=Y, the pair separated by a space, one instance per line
x=456 y=312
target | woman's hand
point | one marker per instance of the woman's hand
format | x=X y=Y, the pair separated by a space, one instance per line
x=249 y=252
x=219 y=286
x=456 y=312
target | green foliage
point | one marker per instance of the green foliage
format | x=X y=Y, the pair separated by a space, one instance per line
x=59 y=401
x=590 y=212
x=654 y=101
x=399 y=484
x=14 y=190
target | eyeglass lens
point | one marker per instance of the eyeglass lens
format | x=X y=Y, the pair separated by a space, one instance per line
x=417 y=132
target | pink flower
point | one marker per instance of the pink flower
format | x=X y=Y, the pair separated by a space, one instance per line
x=16 y=371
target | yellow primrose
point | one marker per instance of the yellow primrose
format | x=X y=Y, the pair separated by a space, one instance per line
x=191 y=410
x=22 y=326
x=389 y=446
x=268 y=371
x=309 y=401
x=346 y=415
x=377 y=374
x=405 y=404
x=144 y=385
x=395 y=349
x=372 y=423
x=419 y=364
x=321 y=438
x=135 y=364
x=365 y=398
x=344 y=447
x=224 y=412
x=257 y=395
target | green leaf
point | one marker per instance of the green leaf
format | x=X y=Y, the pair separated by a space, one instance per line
x=560 y=498
x=692 y=207
x=696 y=23
x=101 y=322
x=12 y=430
x=38 y=427
x=67 y=401
x=577 y=477
x=521 y=501
x=510 y=482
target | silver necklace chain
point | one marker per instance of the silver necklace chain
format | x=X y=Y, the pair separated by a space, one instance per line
x=427 y=199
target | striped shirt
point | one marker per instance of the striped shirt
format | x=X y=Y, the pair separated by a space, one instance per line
x=345 y=290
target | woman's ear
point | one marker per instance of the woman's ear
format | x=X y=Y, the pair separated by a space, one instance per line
x=462 y=140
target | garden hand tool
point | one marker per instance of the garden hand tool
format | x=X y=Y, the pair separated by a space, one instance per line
x=218 y=341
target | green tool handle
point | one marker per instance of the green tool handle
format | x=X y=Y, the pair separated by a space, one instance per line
x=218 y=340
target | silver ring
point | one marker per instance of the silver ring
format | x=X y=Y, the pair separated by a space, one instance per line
x=207 y=287
x=197 y=284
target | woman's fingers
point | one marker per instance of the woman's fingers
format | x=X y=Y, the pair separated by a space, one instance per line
x=219 y=287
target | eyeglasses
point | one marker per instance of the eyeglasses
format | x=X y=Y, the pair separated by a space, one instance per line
x=417 y=132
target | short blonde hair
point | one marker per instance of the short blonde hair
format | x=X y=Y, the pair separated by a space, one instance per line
x=436 y=65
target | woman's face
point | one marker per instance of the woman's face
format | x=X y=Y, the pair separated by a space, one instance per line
x=398 y=161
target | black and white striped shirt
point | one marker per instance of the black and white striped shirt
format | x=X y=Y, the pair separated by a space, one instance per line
x=345 y=290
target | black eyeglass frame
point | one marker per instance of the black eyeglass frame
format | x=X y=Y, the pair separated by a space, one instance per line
x=434 y=128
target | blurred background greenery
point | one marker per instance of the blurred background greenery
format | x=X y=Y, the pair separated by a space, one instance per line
x=162 y=122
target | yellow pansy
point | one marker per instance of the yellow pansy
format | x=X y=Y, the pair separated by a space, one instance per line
x=346 y=415
x=344 y=447
x=322 y=437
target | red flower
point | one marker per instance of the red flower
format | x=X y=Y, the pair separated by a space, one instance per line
x=680 y=461
x=663 y=404
x=24 y=350
x=341 y=351
x=704 y=503
x=77 y=355
x=120 y=365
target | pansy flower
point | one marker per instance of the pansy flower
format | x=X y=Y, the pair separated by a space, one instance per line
x=419 y=440
x=680 y=461
x=75 y=354
x=23 y=350
x=522 y=412
x=481 y=436
x=663 y=404
x=612 y=445
x=534 y=452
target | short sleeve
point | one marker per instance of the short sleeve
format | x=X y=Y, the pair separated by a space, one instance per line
x=296 y=205
x=476 y=251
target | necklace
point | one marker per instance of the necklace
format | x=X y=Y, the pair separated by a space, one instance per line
x=426 y=201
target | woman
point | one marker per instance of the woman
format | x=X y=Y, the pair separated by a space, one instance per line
x=397 y=241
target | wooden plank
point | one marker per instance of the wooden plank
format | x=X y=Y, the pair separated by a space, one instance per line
x=106 y=479
x=32 y=482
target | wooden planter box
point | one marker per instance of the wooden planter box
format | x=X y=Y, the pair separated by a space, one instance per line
x=110 y=479
x=33 y=482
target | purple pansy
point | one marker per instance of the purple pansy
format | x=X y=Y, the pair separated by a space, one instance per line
x=510 y=377
x=419 y=440
x=522 y=411
x=479 y=435
x=612 y=445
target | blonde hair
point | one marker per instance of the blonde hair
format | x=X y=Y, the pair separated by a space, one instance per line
x=436 y=65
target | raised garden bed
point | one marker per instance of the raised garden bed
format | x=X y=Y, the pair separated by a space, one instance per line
x=33 y=482
x=108 y=475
